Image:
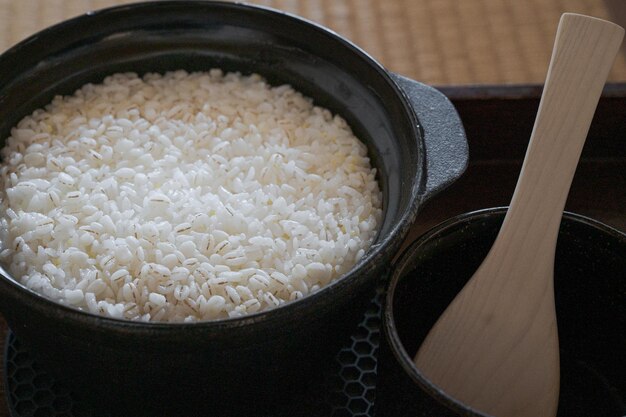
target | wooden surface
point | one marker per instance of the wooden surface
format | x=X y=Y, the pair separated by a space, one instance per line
x=496 y=348
x=449 y=42
x=435 y=41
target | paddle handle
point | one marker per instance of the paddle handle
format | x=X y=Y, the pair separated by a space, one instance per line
x=583 y=54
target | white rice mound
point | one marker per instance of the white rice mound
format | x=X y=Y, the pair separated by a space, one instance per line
x=184 y=197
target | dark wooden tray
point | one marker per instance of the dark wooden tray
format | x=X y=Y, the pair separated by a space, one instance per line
x=498 y=122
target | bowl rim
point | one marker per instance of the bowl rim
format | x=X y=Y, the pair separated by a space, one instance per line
x=404 y=260
x=373 y=256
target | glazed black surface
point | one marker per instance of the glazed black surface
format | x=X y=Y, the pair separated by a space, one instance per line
x=348 y=389
x=590 y=293
x=253 y=362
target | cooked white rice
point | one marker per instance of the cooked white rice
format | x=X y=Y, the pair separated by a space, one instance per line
x=184 y=197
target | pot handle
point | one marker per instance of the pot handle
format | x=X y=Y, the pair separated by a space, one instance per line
x=446 y=150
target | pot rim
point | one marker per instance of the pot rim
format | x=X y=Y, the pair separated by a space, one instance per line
x=404 y=260
x=375 y=255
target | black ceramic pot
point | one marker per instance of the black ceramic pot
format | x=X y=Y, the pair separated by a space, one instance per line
x=415 y=139
x=590 y=292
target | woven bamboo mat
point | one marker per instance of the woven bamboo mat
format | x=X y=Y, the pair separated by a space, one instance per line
x=439 y=42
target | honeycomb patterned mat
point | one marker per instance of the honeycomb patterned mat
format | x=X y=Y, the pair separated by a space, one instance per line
x=350 y=389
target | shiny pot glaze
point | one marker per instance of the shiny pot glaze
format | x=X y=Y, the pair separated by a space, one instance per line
x=590 y=293
x=415 y=139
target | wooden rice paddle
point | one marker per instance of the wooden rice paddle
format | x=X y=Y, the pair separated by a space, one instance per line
x=496 y=346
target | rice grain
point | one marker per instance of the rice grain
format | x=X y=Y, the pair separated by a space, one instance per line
x=214 y=196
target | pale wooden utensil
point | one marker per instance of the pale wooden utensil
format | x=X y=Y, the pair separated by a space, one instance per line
x=495 y=348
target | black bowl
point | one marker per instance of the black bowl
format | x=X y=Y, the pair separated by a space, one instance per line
x=590 y=293
x=414 y=137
